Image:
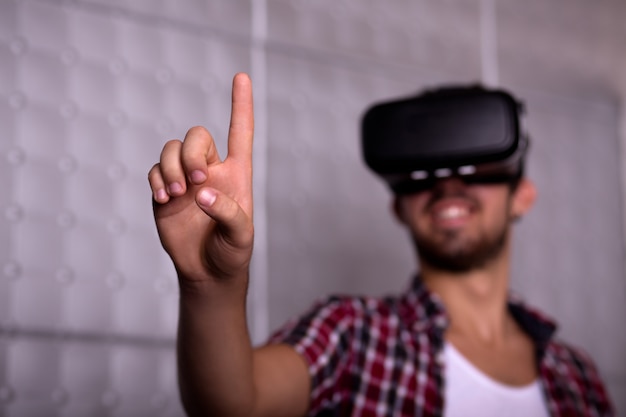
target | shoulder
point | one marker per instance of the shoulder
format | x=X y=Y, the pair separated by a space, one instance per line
x=568 y=358
x=340 y=315
x=359 y=305
x=567 y=368
x=351 y=309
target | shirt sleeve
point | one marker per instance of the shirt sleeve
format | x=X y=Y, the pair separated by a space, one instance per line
x=322 y=337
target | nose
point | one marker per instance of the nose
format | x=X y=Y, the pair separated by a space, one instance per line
x=449 y=186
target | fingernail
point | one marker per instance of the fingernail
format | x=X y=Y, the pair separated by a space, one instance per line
x=160 y=195
x=197 y=177
x=207 y=197
x=174 y=188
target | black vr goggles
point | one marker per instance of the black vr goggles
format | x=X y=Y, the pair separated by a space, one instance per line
x=469 y=132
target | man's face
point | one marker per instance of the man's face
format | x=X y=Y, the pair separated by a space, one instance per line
x=459 y=227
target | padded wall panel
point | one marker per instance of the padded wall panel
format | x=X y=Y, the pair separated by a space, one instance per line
x=574 y=50
x=91 y=376
x=89 y=94
x=442 y=36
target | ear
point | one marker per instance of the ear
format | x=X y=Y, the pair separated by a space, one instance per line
x=524 y=197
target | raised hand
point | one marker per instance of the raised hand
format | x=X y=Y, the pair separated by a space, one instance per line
x=202 y=204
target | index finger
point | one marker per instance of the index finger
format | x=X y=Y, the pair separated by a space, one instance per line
x=241 y=130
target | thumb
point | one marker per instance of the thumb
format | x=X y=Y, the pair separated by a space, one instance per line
x=232 y=221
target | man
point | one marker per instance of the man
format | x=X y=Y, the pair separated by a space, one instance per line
x=455 y=344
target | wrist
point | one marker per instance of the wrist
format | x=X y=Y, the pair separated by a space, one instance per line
x=210 y=288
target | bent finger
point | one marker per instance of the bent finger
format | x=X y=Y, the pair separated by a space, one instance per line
x=157 y=185
x=171 y=169
x=198 y=152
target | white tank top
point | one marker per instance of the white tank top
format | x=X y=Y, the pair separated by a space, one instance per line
x=469 y=392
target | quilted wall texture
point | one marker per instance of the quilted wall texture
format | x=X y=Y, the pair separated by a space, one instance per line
x=90 y=90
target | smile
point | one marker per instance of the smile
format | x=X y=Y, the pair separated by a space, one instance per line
x=452 y=212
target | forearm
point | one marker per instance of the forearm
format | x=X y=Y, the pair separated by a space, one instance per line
x=214 y=350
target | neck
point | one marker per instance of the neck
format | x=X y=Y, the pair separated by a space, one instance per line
x=476 y=301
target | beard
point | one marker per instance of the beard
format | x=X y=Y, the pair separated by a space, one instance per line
x=449 y=253
x=454 y=251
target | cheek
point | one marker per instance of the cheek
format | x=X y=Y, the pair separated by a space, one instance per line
x=498 y=197
x=499 y=212
x=411 y=206
x=414 y=216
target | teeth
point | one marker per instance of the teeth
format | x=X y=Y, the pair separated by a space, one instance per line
x=452 y=212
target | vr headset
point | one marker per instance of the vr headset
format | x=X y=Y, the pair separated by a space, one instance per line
x=469 y=132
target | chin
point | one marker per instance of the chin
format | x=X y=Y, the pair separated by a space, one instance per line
x=460 y=257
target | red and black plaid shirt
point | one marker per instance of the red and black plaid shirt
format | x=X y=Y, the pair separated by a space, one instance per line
x=384 y=357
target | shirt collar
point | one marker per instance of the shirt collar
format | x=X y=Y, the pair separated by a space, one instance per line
x=427 y=312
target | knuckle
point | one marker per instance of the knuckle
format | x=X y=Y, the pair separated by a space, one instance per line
x=196 y=131
x=249 y=232
x=170 y=150
x=172 y=143
x=231 y=210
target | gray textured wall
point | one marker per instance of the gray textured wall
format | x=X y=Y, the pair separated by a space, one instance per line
x=91 y=89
